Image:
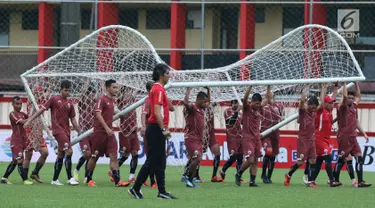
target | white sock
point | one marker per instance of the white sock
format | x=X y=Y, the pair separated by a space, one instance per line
x=131 y=176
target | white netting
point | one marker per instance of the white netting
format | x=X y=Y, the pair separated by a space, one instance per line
x=310 y=53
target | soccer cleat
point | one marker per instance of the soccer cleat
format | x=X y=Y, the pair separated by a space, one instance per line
x=154 y=186
x=354 y=183
x=305 y=179
x=91 y=183
x=5 y=181
x=122 y=183
x=76 y=175
x=36 y=178
x=27 y=182
x=190 y=184
x=198 y=180
x=243 y=181
x=215 y=179
x=363 y=184
x=184 y=179
x=312 y=185
x=335 y=184
x=135 y=194
x=286 y=180
x=166 y=195
x=222 y=174
x=253 y=184
x=110 y=176
x=72 y=182
x=269 y=181
x=57 y=183
x=238 y=179
x=132 y=180
x=145 y=183
x=84 y=180
x=266 y=180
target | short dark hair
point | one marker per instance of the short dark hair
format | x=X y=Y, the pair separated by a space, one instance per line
x=351 y=93
x=313 y=100
x=65 y=84
x=149 y=85
x=201 y=95
x=109 y=82
x=15 y=98
x=158 y=71
x=256 y=97
x=91 y=90
x=234 y=101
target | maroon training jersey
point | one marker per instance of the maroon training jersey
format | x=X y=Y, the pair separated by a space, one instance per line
x=347 y=120
x=232 y=129
x=158 y=96
x=86 y=109
x=106 y=106
x=194 y=118
x=306 y=125
x=61 y=111
x=251 y=123
x=128 y=123
x=17 y=130
x=272 y=114
x=146 y=108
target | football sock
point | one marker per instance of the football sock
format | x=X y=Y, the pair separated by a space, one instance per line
x=216 y=165
x=239 y=162
x=252 y=178
x=312 y=169
x=68 y=166
x=133 y=164
x=319 y=162
x=338 y=167
x=20 y=171
x=329 y=171
x=359 y=169
x=81 y=161
x=187 y=168
x=306 y=172
x=116 y=176
x=9 y=169
x=38 y=166
x=57 y=168
x=265 y=163
x=229 y=163
x=271 y=166
x=293 y=169
x=350 y=169
x=121 y=160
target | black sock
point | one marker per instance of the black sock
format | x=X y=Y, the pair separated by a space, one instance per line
x=190 y=174
x=121 y=160
x=239 y=163
x=116 y=176
x=197 y=172
x=338 y=167
x=86 y=169
x=57 y=169
x=187 y=168
x=293 y=169
x=319 y=162
x=133 y=164
x=265 y=163
x=216 y=165
x=20 y=171
x=240 y=172
x=81 y=161
x=271 y=166
x=350 y=169
x=312 y=171
x=152 y=177
x=10 y=169
x=329 y=171
x=252 y=178
x=89 y=175
x=68 y=166
x=307 y=165
x=38 y=166
x=359 y=169
x=229 y=163
x=25 y=172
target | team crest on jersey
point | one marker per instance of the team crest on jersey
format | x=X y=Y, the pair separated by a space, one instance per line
x=59 y=101
x=68 y=105
x=108 y=103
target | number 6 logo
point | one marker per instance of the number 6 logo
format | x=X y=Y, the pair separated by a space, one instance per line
x=347 y=20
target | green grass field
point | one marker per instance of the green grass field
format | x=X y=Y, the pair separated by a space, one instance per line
x=208 y=195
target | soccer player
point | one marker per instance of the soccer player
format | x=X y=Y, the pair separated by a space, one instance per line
x=103 y=141
x=194 y=114
x=157 y=133
x=306 y=149
x=62 y=110
x=17 y=142
x=251 y=134
x=346 y=137
x=272 y=113
x=86 y=109
x=233 y=131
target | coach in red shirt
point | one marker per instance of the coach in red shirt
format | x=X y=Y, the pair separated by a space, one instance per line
x=156 y=134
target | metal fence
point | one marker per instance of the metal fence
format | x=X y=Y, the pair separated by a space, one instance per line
x=206 y=34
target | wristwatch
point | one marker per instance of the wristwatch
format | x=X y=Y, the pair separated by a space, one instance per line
x=163 y=129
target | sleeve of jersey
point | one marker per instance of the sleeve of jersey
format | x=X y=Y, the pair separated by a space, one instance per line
x=158 y=97
x=99 y=105
x=48 y=104
x=13 y=118
x=146 y=107
x=301 y=112
x=72 y=112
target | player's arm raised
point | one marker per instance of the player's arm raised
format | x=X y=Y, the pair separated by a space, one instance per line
x=302 y=102
x=344 y=101
x=246 y=97
x=357 y=93
x=268 y=96
x=323 y=92
x=186 y=100
x=335 y=91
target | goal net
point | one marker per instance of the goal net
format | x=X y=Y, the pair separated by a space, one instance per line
x=308 y=55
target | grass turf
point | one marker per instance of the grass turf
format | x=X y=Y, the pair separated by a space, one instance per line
x=208 y=195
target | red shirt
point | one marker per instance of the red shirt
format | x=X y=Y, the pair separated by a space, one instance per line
x=86 y=114
x=306 y=125
x=146 y=108
x=106 y=106
x=323 y=123
x=251 y=123
x=347 y=120
x=61 y=111
x=272 y=115
x=158 y=96
x=194 y=119
x=18 y=132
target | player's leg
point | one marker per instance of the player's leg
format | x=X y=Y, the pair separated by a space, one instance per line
x=356 y=151
x=301 y=153
x=26 y=163
x=43 y=150
x=17 y=149
x=249 y=150
x=275 y=151
x=215 y=149
x=186 y=171
x=350 y=170
x=134 y=147
x=124 y=149
x=57 y=168
x=328 y=161
x=318 y=164
x=194 y=150
x=232 y=158
x=266 y=159
x=12 y=165
x=312 y=160
x=68 y=167
x=111 y=151
x=254 y=162
x=343 y=153
x=306 y=173
x=86 y=154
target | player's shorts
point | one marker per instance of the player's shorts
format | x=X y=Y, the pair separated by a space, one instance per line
x=129 y=143
x=273 y=141
x=323 y=146
x=85 y=145
x=17 y=146
x=348 y=145
x=234 y=144
x=306 y=149
x=29 y=147
x=213 y=140
x=251 y=148
x=194 y=148
x=102 y=144
x=63 y=141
